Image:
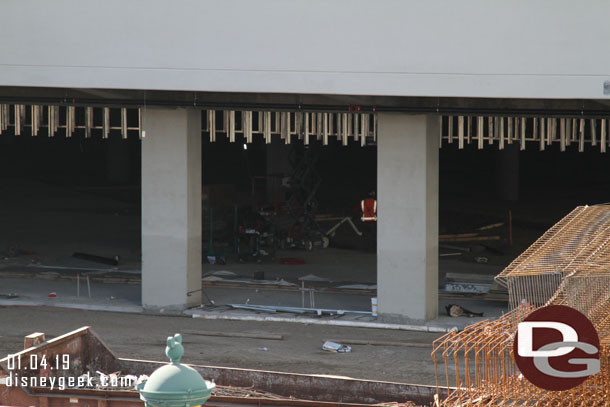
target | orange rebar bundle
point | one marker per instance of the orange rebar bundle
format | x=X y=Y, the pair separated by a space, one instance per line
x=569 y=265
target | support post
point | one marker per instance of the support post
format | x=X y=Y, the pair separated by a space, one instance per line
x=407 y=229
x=171 y=209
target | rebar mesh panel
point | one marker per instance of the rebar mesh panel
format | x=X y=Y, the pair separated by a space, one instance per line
x=579 y=244
x=479 y=365
x=591 y=296
x=574 y=240
x=588 y=293
x=534 y=289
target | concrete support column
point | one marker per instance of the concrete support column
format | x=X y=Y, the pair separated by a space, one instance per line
x=407 y=226
x=171 y=208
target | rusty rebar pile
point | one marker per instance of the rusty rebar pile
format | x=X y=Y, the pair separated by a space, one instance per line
x=569 y=265
x=479 y=368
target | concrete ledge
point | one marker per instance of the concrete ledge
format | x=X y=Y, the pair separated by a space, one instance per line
x=230 y=316
x=133 y=309
x=333 y=322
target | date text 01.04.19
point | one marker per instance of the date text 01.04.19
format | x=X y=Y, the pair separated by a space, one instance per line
x=38 y=362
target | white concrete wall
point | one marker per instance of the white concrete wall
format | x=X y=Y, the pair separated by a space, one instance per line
x=171 y=208
x=407 y=218
x=476 y=48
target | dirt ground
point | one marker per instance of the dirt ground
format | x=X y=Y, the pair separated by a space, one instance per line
x=143 y=337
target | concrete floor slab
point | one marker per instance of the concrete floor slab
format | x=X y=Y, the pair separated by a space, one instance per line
x=126 y=298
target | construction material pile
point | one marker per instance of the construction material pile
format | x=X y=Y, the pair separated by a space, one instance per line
x=569 y=265
x=575 y=251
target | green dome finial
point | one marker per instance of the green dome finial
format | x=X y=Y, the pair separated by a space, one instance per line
x=174 y=349
x=175 y=384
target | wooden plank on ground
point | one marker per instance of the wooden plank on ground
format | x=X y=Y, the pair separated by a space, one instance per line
x=459 y=235
x=468 y=239
x=274 y=337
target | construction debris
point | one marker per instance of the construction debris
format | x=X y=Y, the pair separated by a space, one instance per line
x=331 y=232
x=336 y=347
x=455 y=310
x=492 y=226
x=380 y=343
x=450 y=254
x=468 y=283
x=359 y=286
x=467 y=288
x=297 y=310
x=242 y=281
x=457 y=236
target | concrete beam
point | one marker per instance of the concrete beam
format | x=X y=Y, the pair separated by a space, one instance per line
x=171 y=208
x=300 y=101
x=407 y=229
